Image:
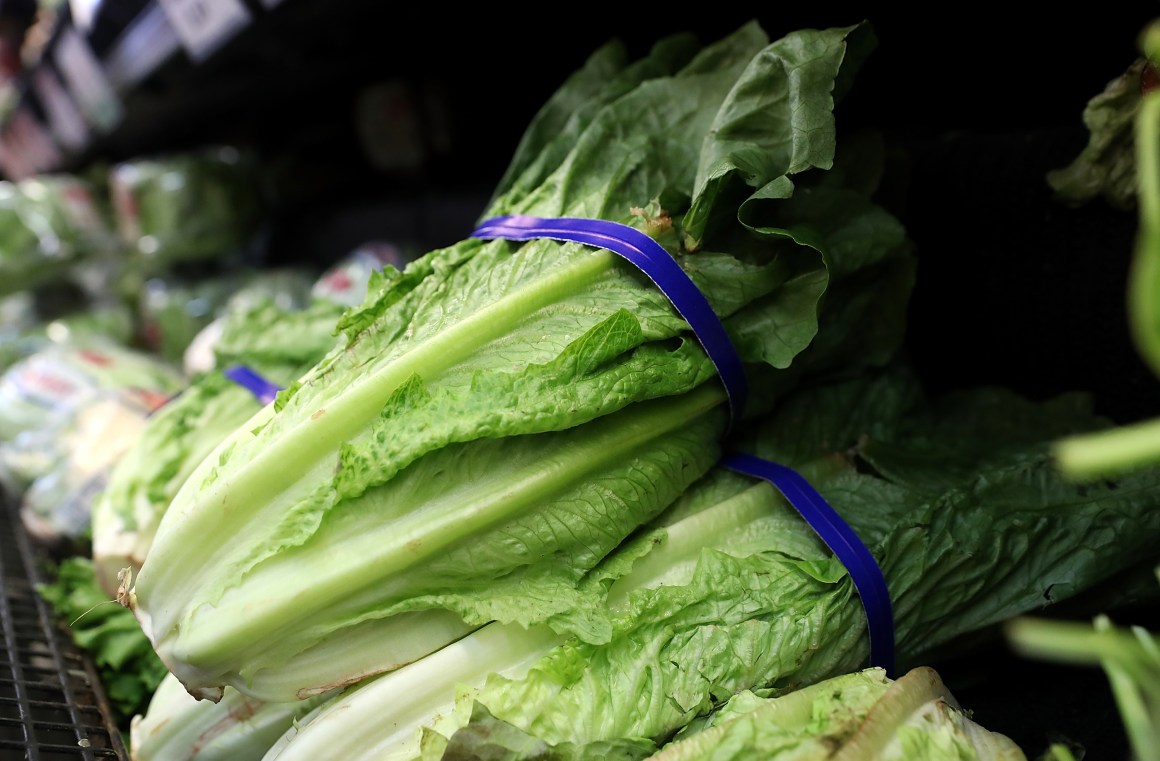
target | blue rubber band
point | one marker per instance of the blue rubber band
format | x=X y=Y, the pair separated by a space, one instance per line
x=658 y=265
x=839 y=537
x=664 y=271
x=263 y=390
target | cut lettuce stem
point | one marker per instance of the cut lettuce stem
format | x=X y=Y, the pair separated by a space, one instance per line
x=178 y=727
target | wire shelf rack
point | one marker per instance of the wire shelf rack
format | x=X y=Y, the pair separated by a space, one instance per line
x=52 y=704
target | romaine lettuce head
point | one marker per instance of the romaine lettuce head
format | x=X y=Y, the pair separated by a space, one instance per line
x=731 y=591
x=31 y=254
x=185 y=206
x=499 y=416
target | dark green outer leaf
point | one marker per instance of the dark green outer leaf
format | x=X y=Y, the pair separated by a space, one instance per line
x=740 y=147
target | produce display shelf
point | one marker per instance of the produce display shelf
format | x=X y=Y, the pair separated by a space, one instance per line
x=52 y=705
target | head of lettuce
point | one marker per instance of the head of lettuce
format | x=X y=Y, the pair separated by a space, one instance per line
x=497 y=417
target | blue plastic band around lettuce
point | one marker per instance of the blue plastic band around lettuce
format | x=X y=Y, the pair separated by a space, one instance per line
x=664 y=271
x=263 y=390
x=654 y=261
x=840 y=538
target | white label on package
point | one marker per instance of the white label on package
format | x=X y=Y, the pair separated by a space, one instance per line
x=205 y=25
x=47 y=382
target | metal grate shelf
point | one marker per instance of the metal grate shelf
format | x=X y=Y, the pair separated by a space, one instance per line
x=52 y=705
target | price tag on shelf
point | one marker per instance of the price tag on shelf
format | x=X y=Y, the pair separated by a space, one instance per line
x=205 y=25
x=64 y=117
x=86 y=81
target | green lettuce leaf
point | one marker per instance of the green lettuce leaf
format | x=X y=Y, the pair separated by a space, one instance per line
x=129 y=670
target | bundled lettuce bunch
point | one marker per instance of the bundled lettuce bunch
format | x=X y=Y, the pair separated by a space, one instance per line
x=49 y=225
x=499 y=416
x=496 y=509
x=198 y=205
x=730 y=590
x=24 y=330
